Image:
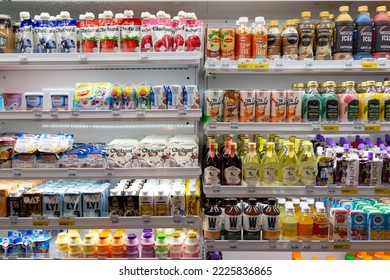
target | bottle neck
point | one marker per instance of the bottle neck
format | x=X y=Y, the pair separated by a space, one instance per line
x=232 y=151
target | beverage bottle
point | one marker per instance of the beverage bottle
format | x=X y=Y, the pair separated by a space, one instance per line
x=89 y=246
x=290 y=167
x=274 y=40
x=212 y=166
x=343 y=35
x=330 y=103
x=261 y=151
x=380 y=33
x=282 y=206
x=103 y=246
x=305 y=225
x=290 y=40
x=259 y=39
x=324 y=33
x=225 y=147
x=118 y=249
x=131 y=246
x=231 y=167
x=349 y=103
x=223 y=203
x=320 y=224
x=385 y=102
x=176 y=246
x=308 y=166
x=177 y=201
x=326 y=167
x=271 y=221
x=62 y=245
x=191 y=246
x=362 y=34
x=289 y=224
x=370 y=104
x=147 y=245
x=243 y=150
x=74 y=246
x=251 y=220
x=311 y=103
x=378 y=255
x=251 y=166
x=161 y=246
x=243 y=40
x=212 y=220
x=270 y=166
x=306 y=31
x=233 y=220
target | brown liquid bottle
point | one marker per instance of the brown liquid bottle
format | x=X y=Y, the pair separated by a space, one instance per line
x=233 y=220
x=251 y=221
x=271 y=221
x=290 y=41
x=274 y=40
x=212 y=223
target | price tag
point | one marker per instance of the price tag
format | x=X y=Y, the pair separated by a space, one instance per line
x=110 y=171
x=146 y=219
x=83 y=57
x=245 y=63
x=341 y=245
x=372 y=127
x=294 y=245
x=310 y=189
x=13 y=220
x=308 y=62
x=381 y=190
x=307 y=245
x=17 y=172
x=116 y=112
x=72 y=172
x=37 y=113
x=347 y=190
x=66 y=221
x=182 y=111
x=382 y=62
x=272 y=244
x=225 y=63
x=177 y=219
x=191 y=220
x=327 y=127
x=216 y=188
x=278 y=62
x=261 y=64
x=54 y=113
x=23 y=57
x=75 y=113
x=234 y=125
x=233 y=244
x=358 y=126
x=348 y=62
x=211 y=62
x=40 y=221
x=213 y=125
x=210 y=244
x=324 y=245
x=331 y=188
x=369 y=64
x=114 y=219
x=140 y=113
x=316 y=126
x=143 y=56
x=251 y=188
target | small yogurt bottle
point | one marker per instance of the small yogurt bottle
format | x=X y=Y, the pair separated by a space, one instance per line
x=34 y=100
x=59 y=100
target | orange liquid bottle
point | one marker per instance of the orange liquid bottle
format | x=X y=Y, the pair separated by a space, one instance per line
x=259 y=39
x=243 y=40
x=305 y=225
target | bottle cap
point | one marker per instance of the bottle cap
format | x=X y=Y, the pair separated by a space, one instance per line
x=324 y=14
x=233 y=201
x=289 y=208
x=290 y=22
x=119 y=15
x=331 y=258
x=145 y=15
x=306 y=14
x=331 y=16
x=370 y=83
x=128 y=13
x=45 y=16
x=362 y=8
x=271 y=201
x=274 y=23
x=160 y=14
x=243 y=19
x=344 y=9
x=24 y=15
x=259 y=19
x=312 y=84
x=281 y=200
x=252 y=201
x=64 y=15
x=89 y=16
x=381 y=9
x=349 y=257
x=296 y=200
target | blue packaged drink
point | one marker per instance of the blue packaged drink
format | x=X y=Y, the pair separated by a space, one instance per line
x=45 y=34
x=362 y=34
x=26 y=33
x=66 y=35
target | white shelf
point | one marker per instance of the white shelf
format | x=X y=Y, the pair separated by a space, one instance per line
x=295 y=128
x=111 y=115
x=287 y=246
x=140 y=222
x=101 y=173
x=306 y=67
x=295 y=191
x=96 y=60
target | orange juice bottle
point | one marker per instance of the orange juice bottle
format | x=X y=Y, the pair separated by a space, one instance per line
x=243 y=39
x=103 y=246
x=360 y=256
x=259 y=39
x=118 y=248
x=378 y=255
x=305 y=225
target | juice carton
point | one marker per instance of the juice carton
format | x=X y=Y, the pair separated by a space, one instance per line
x=130 y=34
x=263 y=106
x=158 y=97
x=179 y=33
x=227 y=43
x=358 y=225
x=294 y=106
x=45 y=35
x=31 y=203
x=146 y=34
x=143 y=96
x=231 y=103
x=161 y=30
x=213 y=105
x=14 y=203
x=247 y=105
x=278 y=106
x=338 y=221
x=191 y=96
x=346 y=204
x=175 y=97
x=377 y=225
x=66 y=35
x=194 y=34
x=370 y=107
x=52 y=202
x=129 y=98
x=92 y=96
x=89 y=30
x=161 y=203
x=213 y=43
x=73 y=203
x=109 y=32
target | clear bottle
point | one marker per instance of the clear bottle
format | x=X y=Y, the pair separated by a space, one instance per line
x=251 y=166
x=259 y=39
x=233 y=220
x=308 y=166
x=289 y=224
x=320 y=224
x=270 y=166
x=243 y=40
x=89 y=246
x=330 y=103
x=274 y=40
x=176 y=246
x=370 y=104
x=306 y=30
x=305 y=225
x=191 y=246
x=251 y=221
x=290 y=167
x=290 y=41
x=271 y=221
x=311 y=104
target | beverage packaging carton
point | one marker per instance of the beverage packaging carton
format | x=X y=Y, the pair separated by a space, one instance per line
x=358 y=225
x=338 y=221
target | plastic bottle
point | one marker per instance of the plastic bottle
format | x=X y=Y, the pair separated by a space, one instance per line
x=274 y=40
x=306 y=30
x=191 y=246
x=343 y=35
x=271 y=221
x=161 y=246
x=378 y=255
x=132 y=246
x=326 y=166
x=147 y=245
x=26 y=33
x=74 y=246
x=259 y=39
x=270 y=166
x=176 y=246
x=305 y=225
x=349 y=257
x=362 y=34
x=118 y=246
x=381 y=33
x=290 y=167
x=251 y=166
x=243 y=40
x=320 y=225
x=89 y=246
x=212 y=220
x=290 y=41
x=311 y=104
x=289 y=224
x=349 y=103
x=62 y=245
x=324 y=32
x=103 y=246
x=233 y=220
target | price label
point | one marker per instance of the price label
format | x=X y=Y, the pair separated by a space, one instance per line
x=278 y=62
x=307 y=245
x=213 y=125
x=54 y=113
x=66 y=221
x=216 y=188
x=211 y=62
x=348 y=62
x=294 y=245
x=210 y=244
x=272 y=244
x=369 y=64
x=225 y=63
x=382 y=62
x=349 y=190
x=308 y=62
x=83 y=57
x=316 y=126
x=331 y=188
x=116 y=112
x=177 y=219
x=114 y=219
x=233 y=244
x=382 y=191
x=191 y=220
x=37 y=113
x=327 y=127
x=140 y=113
x=358 y=126
x=372 y=127
x=72 y=172
x=75 y=113
x=182 y=111
x=40 y=221
x=146 y=219
x=310 y=189
x=341 y=245
x=324 y=245
x=245 y=63
x=234 y=125
x=251 y=188
x=110 y=171
x=13 y=220
x=261 y=64
x=17 y=172
x=144 y=56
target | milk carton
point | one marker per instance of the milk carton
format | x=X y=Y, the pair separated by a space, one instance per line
x=161 y=201
x=14 y=203
x=131 y=202
x=31 y=203
x=73 y=203
x=338 y=224
x=175 y=97
x=146 y=202
x=377 y=225
x=158 y=97
x=358 y=225
x=191 y=96
x=177 y=201
x=52 y=202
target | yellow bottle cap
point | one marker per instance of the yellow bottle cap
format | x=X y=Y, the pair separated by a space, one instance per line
x=315 y=258
x=295 y=21
x=273 y=23
x=331 y=16
x=312 y=84
x=370 y=83
x=331 y=258
x=324 y=14
x=386 y=83
x=343 y=9
x=362 y=8
x=295 y=255
x=290 y=22
x=380 y=9
x=388 y=13
x=306 y=14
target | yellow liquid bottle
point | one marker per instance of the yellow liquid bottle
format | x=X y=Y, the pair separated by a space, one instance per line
x=305 y=225
x=243 y=150
x=290 y=167
x=289 y=224
x=297 y=208
x=251 y=166
x=270 y=166
x=261 y=151
x=308 y=166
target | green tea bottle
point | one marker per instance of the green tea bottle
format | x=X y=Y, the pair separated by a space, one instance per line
x=311 y=103
x=330 y=103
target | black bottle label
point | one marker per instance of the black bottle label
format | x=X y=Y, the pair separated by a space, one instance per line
x=381 y=36
x=313 y=110
x=343 y=39
x=364 y=39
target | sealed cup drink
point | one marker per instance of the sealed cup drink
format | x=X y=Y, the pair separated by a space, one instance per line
x=278 y=107
x=213 y=106
x=247 y=105
x=231 y=103
x=263 y=106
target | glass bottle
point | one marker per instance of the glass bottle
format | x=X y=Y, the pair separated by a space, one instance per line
x=271 y=221
x=270 y=166
x=311 y=104
x=251 y=166
x=212 y=166
x=290 y=167
x=251 y=221
x=212 y=221
x=232 y=167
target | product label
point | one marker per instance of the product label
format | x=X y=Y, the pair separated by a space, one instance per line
x=332 y=110
x=353 y=110
x=381 y=37
x=233 y=223
x=263 y=106
x=146 y=209
x=251 y=223
x=305 y=231
x=259 y=45
x=161 y=209
x=321 y=231
x=352 y=173
x=290 y=44
x=212 y=175
x=274 y=44
x=270 y=174
x=364 y=39
x=324 y=38
x=373 y=110
x=251 y=173
x=308 y=173
x=325 y=173
x=212 y=223
x=343 y=39
x=313 y=110
x=271 y=223
x=386 y=110
x=306 y=42
x=232 y=175
x=376 y=173
x=289 y=175
x=289 y=230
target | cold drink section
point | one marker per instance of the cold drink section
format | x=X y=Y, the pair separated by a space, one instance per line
x=139 y=133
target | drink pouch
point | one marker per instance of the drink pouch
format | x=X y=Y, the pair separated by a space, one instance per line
x=45 y=35
x=194 y=35
x=179 y=34
x=89 y=30
x=109 y=33
x=129 y=99
x=161 y=34
x=130 y=34
x=146 y=34
x=116 y=97
x=26 y=33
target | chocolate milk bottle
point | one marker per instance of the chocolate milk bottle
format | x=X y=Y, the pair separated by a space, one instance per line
x=233 y=220
x=251 y=220
x=271 y=221
x=274 y=40
x=290 y=41
x=306 y=30
x=212 y=221
x=324 y=33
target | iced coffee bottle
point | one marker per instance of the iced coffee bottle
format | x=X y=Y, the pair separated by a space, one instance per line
x=306 y=31
x=290 y=41
x=324 y=34
x=274 y=40
x=233 y=220
x=251 y=220
x=343 y=35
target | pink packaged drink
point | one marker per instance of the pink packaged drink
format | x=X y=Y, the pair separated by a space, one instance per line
x=109 y=32
x=147 y=246
x=161 y=28
x=146 y=34
x=194 y=33
x=179 y=32
x=89 y=30
x=130 y=31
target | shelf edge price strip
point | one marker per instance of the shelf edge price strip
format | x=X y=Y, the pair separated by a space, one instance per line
x=40 y=221
x=372 y=127
x=381 y=190
x=327 y=127
x=341 y=245
x=369 y=64
x=66 y=221
x=349 y=191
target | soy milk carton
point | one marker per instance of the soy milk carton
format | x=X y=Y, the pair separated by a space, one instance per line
x=263 y=106
x=278 y=106
x=247 y=105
